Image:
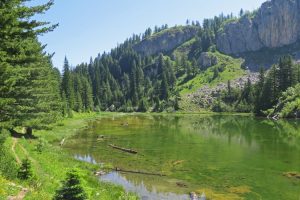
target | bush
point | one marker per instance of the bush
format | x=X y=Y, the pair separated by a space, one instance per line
x=219 y=106
x=40 y=145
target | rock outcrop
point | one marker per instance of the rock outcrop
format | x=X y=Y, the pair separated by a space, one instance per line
x=275 y=24
x=205 y=96
x=207 y=60
x=166 y=40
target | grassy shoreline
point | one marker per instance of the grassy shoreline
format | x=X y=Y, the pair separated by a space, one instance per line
x=51 y=165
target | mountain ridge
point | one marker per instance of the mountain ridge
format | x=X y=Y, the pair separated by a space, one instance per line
x=275 y=24
x=166 y=40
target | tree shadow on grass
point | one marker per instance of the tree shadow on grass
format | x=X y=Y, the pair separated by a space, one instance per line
x=16 y=134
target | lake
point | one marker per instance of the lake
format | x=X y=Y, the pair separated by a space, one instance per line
x=223 y=157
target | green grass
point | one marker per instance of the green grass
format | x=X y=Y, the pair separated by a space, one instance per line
x=231 y=69
x=51 y=165
x=8 y=188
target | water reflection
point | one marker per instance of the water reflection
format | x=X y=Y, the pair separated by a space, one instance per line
x=140 y=189
x=86 y=158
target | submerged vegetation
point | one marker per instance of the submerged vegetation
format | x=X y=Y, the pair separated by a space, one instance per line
x=226 y=157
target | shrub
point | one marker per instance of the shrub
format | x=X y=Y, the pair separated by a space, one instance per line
x=40 y=145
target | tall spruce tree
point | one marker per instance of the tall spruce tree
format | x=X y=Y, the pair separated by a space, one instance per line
x=68 y=85
x=29 y=92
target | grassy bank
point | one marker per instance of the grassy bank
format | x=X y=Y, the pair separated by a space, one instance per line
x=52 y=163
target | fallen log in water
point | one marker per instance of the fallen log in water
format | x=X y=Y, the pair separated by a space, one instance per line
x=292 y=175
x=139 y=172
x=123 y=149
x=178 y=162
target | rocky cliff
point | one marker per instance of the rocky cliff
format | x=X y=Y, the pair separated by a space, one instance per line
x=275 y=24
x=166 y=40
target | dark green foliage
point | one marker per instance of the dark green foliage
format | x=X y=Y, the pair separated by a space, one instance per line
x=143 y=106
x=121 y=80
x=270 y=88
x=265 y=94
x=29 y=87
x=72 y=188
x=164 y=88
x=25 y=171
x=76 y=89
x=258 y=88
x=285 y=73
x=67 y=85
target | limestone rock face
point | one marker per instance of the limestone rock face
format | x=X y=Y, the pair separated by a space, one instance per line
x=275 y=24
x=166 y=40
x=207 y=60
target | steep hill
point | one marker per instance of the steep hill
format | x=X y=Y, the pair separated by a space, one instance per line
x=166 y=40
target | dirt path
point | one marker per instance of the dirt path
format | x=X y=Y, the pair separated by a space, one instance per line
x=13 y=149
x=21 y=195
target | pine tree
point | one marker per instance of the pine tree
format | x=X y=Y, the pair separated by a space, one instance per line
x=25 y=171
x=298 y=72
x=25 y=68
x=72 y=188
x=133 y=84
x=68 y=84
x=270 y=92
x=285 y=73
x=87 y=96
x=126 y=86
x=241 y=12
x=172 y=79
x=258 y=90
x=176 y=103
x=78 y=107
x=164 y=88
x=140 y=82
x=143 y=106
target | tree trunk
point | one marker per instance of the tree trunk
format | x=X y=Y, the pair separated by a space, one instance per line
x=28 y=131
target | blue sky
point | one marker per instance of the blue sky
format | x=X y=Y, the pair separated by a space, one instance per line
x=89 y=27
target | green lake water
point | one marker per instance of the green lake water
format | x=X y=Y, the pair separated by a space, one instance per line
x=224 y=157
